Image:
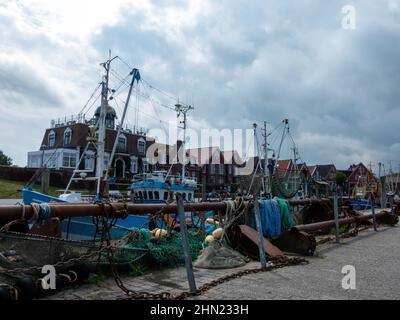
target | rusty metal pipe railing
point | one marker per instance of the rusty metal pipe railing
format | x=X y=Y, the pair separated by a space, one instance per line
x=309 y=228
x=118 y=210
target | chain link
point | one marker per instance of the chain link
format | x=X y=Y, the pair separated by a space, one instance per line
x=278 y=263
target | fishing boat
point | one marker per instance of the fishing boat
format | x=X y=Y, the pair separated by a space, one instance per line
x=146 y=188
x=157 y=187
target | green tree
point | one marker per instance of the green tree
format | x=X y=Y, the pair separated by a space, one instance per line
x=4 y=160
x=340 y=178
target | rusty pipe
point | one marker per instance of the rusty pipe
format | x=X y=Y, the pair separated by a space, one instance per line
x=117 y=210
x=309 y=228
x=112 y=210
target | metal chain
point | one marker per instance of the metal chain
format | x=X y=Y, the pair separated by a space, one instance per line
x=277 y=264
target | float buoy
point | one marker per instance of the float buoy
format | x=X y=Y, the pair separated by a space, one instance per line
x=159 y=233
x=217 y=234
x=209 y=239
x=212 y=221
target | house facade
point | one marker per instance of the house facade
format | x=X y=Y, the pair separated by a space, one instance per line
x=63 y=145
x=361 y=181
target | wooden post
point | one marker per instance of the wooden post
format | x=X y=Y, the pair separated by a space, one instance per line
x=203 y=186
x=372 y=200
x=45 y=181
x=336 y=211
x=203 y=226
x=263 y=258
x=185 y=244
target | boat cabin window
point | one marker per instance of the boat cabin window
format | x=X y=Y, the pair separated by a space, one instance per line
x=184 y=195
x=156 y=195
x=151 y=196
x=190 y=197
x=144 y=195
x=166 y=196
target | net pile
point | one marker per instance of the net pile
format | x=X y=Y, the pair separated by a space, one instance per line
x=168 y=252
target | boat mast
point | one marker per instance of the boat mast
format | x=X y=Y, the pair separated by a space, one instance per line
x=102 y=125
x=181 y=109
x=135 y=76
x=266 y=170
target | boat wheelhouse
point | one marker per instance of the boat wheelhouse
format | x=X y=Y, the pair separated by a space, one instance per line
x=158 y=187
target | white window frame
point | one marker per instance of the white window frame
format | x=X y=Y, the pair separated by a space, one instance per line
x=134 y=165
x=122 y=136
x=67 y=131
x=90 y=158
x=71 y=160
x=141 y=148
x=53 y=135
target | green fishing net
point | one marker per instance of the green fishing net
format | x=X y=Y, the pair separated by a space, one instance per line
x=287 y=219
x=168 y=252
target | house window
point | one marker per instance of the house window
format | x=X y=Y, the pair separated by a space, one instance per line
x=121 y=147
x=212 y=169
x=69 y=160
x=67 y=137
x=89 y=161
x=142 y=146
x=134 y=165
x=146 y=166
x=106 y=159
x=52 y=139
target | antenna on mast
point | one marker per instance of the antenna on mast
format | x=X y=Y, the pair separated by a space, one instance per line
x=100 y=165
x=183 y=110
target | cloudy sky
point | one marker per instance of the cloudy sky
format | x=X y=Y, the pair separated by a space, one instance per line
x=237 y=61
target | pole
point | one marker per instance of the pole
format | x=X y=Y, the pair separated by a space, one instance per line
x=336 y=209
x=102 y=130
x=184 y=146
x=184 y=110
x=263 y=258
x=135 y=76
x=372 y=200
x=266 y=171
x=382 y=183
x=185 y=244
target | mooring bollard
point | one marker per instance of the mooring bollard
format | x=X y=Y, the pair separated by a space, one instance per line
x=185 y=244
x=336 y=211
x=261 y=249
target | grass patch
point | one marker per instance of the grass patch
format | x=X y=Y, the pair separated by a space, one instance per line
x=137 y=270
x=96 y=278
x=12 y=189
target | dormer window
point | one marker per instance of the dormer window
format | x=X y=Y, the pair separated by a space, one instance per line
x=67 y=137
x=121 y=147
x=142 y=146
x=51 y=139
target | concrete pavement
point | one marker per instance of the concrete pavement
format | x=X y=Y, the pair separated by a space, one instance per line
x=375 y=256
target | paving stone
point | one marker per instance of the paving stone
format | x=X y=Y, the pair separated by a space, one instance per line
x=376 y=257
